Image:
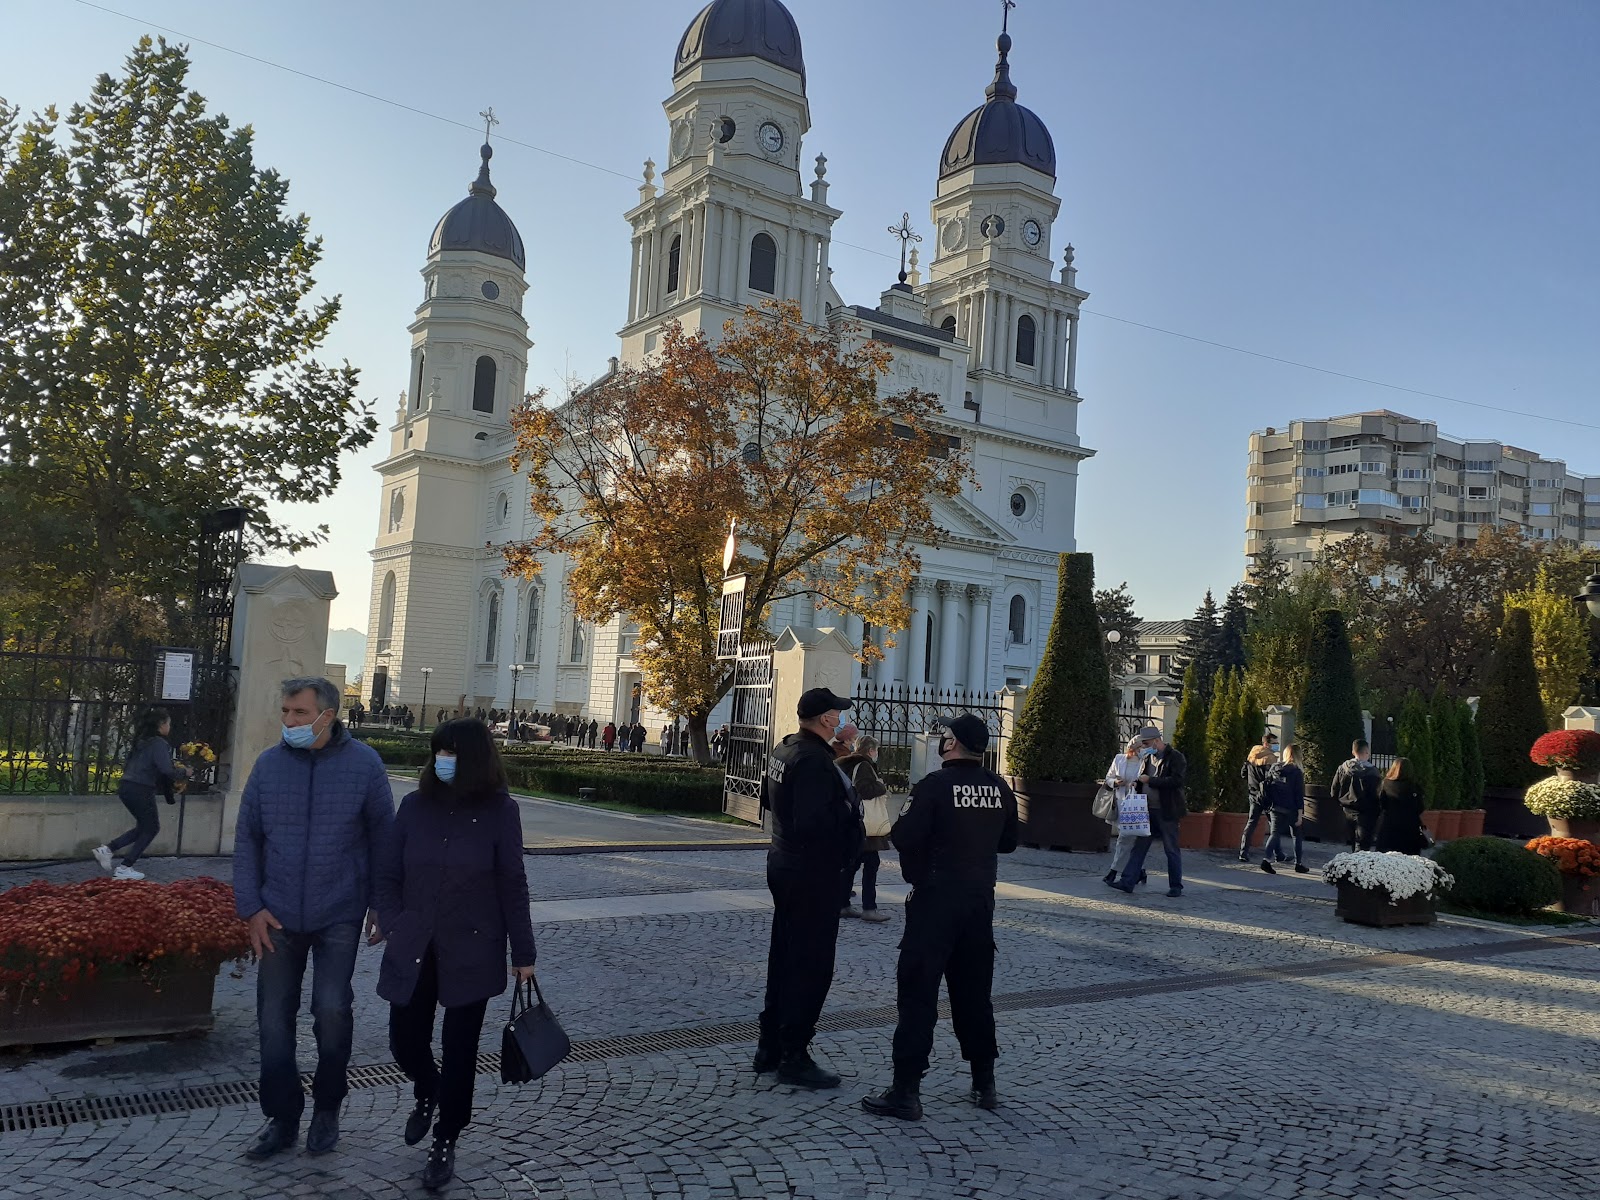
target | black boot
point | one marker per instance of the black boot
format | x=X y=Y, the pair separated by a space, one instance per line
x=983 y=1093
x=323 y=1135
x=903 y=1100
x=418 y=1122
x=441 y=1168
x=766 y=1059
x=278 y=1135
x=801 y=1070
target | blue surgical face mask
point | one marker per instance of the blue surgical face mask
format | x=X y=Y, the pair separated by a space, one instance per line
x=300 y=736
x=1146 y=751
x=444 y=766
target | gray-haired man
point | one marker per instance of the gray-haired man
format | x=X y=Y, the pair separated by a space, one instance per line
x=315 y=809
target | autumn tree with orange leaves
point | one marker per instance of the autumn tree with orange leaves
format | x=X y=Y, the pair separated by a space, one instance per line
x=778 y=427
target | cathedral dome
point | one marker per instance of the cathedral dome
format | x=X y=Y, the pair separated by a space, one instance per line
x=1000 y=130
x=478 y=223
x=742 y=29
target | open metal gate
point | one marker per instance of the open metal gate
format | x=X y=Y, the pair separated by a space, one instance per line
x=750 y=725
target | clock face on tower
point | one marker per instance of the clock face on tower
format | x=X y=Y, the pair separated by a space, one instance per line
x=1032 y=234
x=770 y=137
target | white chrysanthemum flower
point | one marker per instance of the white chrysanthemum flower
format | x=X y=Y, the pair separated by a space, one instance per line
x=1402 y=876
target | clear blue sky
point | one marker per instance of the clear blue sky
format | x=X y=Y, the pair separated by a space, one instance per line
x=1401 y=191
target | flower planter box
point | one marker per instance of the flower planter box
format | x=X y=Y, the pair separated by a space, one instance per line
x=1370 y=906
x=118 y=1007
x=1449 y=825
x=1471 y=822
x=1580 y=895
x=1228 y=827
x=1195 y=831
x=1588 y=831
x=1505 y=815
x=1060 y=815
x=1433 y=822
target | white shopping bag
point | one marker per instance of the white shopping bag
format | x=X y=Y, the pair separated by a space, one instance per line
x=1133 y=815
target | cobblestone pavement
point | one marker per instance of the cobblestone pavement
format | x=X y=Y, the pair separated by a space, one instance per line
x=1465 y=1075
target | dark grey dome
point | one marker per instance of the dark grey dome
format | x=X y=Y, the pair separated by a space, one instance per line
x=478 y=223
x=742 y=29
x=1000 y=131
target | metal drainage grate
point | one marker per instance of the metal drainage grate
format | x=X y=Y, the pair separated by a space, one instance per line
x=49 y=1114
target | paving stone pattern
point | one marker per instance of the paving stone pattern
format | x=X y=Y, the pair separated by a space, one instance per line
x=1463 y=1078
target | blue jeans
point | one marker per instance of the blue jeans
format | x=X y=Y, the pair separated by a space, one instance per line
x=1284 y=821
x=1258 y=811
x=1167 y=831
x=332 y=952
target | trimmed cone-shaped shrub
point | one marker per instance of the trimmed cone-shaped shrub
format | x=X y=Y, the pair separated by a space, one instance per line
x=1330 y=713
x=1471 y=757
x=1067 y=730
x=1221 y=729
x=1414 y=741
x=1447 y=769
x=1497 y=876
x=1510 y=711
x=1191 y=741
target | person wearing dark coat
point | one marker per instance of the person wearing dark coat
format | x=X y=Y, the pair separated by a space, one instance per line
x=860 y=767
x=1400 y=805
x=451 y=891
x=149 y=770
x=1165 y=782
x=1355 y=789
x=1284 y=793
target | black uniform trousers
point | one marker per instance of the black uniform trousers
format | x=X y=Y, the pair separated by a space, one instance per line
x=805 y=934
x=950 y=936
x=1362 y=821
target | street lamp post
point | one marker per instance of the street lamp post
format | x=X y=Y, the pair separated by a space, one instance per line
x=511 y=721
x=426 y=671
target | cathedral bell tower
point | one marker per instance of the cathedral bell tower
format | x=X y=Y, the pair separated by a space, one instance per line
x=730 y=226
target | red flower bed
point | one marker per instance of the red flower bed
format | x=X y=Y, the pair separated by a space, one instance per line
x=54 y=936
x=1575 y=750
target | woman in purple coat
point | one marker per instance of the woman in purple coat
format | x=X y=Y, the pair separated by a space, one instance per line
x=450 y=892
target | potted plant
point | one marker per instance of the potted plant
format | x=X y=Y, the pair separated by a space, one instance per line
x=1572 y=808
x=1329 y=721
x=201 y=760
x=112 y=958
x=1386 y=889
x=1510 y=719
x=1579 y=863
x=1067 y=729
x=1570 y=753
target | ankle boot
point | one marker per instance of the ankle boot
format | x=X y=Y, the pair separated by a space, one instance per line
x=441 y=1168
x=903 y=1100
x=418 y=1123
x=799 y=1069
x=983 y=1093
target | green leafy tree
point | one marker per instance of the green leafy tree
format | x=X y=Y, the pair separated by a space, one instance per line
x=1471 y=756
x=1067 y=729
x=1201 y=646
x=1560 y=641
x=1414 y=739
x=1449 y=771
x=1330 y=711
x=1278 y=642
x=156 y=347
x=1511 y=710
x=1114 y=607
x=1190 y=739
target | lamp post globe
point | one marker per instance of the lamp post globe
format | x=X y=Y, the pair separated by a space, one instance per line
x=1589 y=597
x=1113 y=637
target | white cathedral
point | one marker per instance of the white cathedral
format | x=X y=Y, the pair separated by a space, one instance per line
x=993 y=330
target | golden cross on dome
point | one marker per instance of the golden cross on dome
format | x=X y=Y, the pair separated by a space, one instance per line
x=489 y=121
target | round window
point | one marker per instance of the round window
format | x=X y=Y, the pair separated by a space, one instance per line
x=726 y=129
x=1021 y=504
x=490 y=289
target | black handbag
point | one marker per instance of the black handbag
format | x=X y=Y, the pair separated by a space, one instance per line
x=533 y=1040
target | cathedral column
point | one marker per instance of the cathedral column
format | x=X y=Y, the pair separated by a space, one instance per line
x=690 y=255
x=789 y=277
x=633 y=286
x=921 y=609
x=804 y=280
x=854 y=629
x=739 y=274
x=712 y=240
x=949 y=664
x=978 y=639
x=820 y=308
x=649 y=275
x=1072 y=353
x=1045 y=348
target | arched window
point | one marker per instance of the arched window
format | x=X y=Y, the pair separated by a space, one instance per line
x=491 y=628
x=1025 y=339
x=674 y=257
x=530 y=640
x=483 y=385
x=580 y=642
x=1019 y=620
x=763 y=264
x=397 y=509
x=949 y=325
x=386 y=613
x=422 y=365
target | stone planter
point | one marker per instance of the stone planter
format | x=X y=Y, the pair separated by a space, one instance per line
x=1505 y=815
x=1449 y=825
x=1587 y=831
x=1059 y=815
x=1324 y=820
x=1195 y=832
x=1580 y=895
x=1433 y=822
x=1370 y=906
x=111 y=1008
x=1227 y=828
x=1471 y=822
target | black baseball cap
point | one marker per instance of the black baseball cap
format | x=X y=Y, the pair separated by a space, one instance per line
x=970 y=731
x=818 y=701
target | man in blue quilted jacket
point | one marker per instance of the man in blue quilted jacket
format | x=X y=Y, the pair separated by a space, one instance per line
x=315 y=810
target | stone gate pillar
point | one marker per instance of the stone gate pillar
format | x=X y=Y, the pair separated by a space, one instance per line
x=803 y=659
x=1582 y=718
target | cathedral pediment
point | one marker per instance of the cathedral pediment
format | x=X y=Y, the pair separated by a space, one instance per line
x=963 y=519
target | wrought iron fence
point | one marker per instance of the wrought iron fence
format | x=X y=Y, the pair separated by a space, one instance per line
x=749 y=731
x=1129 y=722
x=68 y=709
x=895 y=714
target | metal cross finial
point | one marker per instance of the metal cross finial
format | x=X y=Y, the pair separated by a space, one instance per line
x=1005 y=16
x=489 y=121
x=903 y=232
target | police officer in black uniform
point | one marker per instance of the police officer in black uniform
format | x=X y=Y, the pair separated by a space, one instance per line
x=817 y=836
x=960 y=819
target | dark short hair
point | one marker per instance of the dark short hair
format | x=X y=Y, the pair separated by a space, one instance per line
x=479 y=771
x=1360 y=744
x=150 y=722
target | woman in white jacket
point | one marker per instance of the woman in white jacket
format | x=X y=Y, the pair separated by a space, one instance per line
x=1122 y=778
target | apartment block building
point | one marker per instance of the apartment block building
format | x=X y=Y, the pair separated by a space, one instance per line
x=1383 y=472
